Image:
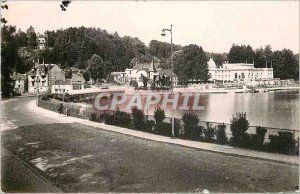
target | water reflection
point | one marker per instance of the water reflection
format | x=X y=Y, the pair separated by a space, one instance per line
x=274 y=109
x=279 y=109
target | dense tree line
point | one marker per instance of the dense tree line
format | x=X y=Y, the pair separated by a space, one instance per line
x=162 y=49
x=98 y=53
x=74 y=47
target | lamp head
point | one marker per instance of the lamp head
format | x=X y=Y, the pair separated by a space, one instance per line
x=163 y=32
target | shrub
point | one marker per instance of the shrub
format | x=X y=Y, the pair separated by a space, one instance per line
x=159 y=115
x=177 y=127
x=164 y=129
x=274 y=143
x=284 y=143
x=258 y=138
x=138 y=119
x=122 y=119
x=93 y=117
x=191 y=128
x=221 y=134
x=287 y=142
x=133 y=83
x=149 y=125
x=209 y=133
x=108 y=119
x=239 y=126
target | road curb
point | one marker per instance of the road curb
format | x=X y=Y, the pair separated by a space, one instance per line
x=118 y=130
x=195 y=148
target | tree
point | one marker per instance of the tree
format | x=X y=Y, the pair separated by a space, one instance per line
x=96 y=67
x=3 y=6
x=191 y=128
x=285 y=65
x=9 y=59
x=145 y=80
x=239 y=125
x=31 y=37
x=259 y=60
x=21 y=38
x=219 y=58
x=161 y=49
x=159 y=115
x=241 y=54
x=190 y=63
x=86 y=76
x=64 y=5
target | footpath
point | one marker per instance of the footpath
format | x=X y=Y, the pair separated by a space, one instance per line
x=222 y=149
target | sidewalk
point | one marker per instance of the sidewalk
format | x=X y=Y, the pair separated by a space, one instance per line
x=228 y=150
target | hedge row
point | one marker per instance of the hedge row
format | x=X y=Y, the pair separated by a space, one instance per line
x=188 y=128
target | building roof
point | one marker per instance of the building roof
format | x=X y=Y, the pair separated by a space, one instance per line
x=150 y=66
x=238 y=66
x=77 y=77
x=46 y=67
x=143 y=69
x=211 y=63
x=167 y=72
x=62 y=82
x=18 y=76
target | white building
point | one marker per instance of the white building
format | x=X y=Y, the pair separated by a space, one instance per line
x=148 y=70
x=77 y=82
x=241 y=72
x=19 y=82
x=38 y=78
x=41 y=43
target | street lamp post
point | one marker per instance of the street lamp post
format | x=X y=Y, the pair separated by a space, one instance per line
x=163 y=33
x=35 y=76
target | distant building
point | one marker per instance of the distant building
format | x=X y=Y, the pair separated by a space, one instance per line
x=19 y=82
x=38 y=78
x=242 y=72
x=54 y=74
x=77 y=82
x=41 y=43
x=42 y=76
x=149 y=70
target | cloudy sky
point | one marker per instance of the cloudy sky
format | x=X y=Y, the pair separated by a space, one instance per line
x=214 y=25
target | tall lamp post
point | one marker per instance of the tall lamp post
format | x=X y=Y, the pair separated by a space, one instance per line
x=35 y=76
x=163 y=33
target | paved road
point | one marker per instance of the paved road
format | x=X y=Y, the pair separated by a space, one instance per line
x=107 y=161
x=17 y=177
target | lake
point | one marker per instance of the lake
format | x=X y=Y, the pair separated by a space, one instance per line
x=274 y=109
x=278 y=109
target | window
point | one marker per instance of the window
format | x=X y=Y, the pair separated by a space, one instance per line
x=235 y=76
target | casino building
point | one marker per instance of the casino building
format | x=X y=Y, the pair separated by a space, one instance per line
x=238 y=72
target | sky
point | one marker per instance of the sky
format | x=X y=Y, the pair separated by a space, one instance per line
x=214 y=25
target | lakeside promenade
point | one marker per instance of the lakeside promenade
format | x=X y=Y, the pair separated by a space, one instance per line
x=248 y=173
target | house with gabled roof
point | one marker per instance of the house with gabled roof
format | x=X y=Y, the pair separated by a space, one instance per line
x=19 y=82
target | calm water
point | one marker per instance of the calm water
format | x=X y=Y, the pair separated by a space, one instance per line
x=278 y=109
